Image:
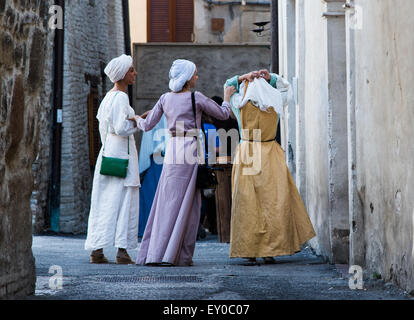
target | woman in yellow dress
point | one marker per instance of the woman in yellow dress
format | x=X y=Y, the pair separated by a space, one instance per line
x=268 y=217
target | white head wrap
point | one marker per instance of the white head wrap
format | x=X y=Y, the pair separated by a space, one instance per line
x=117 y=68
x=181 y=71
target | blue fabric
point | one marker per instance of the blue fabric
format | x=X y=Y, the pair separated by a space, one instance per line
x=149 y=183
x=210 y=126
x=207 y=127
x=149 y=143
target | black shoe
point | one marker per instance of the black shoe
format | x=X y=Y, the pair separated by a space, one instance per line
x=201 y=233
x=269 y=260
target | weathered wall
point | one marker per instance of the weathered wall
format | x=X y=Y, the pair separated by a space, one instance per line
x=337 y=131
x=299 y=81
x=287 y=69
x=93 y=35
x=42 y=164
x=316 y=106
x=319 y=127
x=384 y=100
x=23 y=28
x=238 y=21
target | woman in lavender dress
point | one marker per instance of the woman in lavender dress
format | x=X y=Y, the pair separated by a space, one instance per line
x=170 y=235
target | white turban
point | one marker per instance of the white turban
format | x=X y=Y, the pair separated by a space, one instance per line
x=117 y=68
x=181 y=71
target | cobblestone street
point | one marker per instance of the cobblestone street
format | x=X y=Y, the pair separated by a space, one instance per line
x=214 y=276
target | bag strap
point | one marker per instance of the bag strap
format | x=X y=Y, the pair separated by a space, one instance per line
x=107 y=127
x=194 y=107
x=202 y=125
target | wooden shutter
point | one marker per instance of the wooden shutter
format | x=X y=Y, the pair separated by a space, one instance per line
x=170 y=20
x=158 y=17
x=184 y=24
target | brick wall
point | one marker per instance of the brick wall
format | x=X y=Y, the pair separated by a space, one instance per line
x=93 y=35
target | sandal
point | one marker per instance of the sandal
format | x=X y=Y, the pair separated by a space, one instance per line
x=97 y=256
x=122 y=257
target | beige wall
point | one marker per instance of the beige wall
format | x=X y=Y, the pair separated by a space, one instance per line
x=383 y=91
x=372 y=62
x=138 y=20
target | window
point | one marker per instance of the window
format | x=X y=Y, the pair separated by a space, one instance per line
x=170 y=20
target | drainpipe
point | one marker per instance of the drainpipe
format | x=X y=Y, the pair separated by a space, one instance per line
x=58 y=53
x=127 y=36
x=275 y=48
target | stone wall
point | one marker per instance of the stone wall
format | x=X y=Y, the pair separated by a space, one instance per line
x=229 y=60
x=42 y=164
x=23 y=45
x=93 y=36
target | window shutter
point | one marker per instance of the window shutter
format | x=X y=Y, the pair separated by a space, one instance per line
x=158 y=20
x=170 y=20
x=184 y=20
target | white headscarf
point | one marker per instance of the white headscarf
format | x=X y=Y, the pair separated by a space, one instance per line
x=181 y=71
x=117 y=68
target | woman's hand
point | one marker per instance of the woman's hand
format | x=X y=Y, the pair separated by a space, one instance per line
x=145 y=114
x=136 y=117
x=228 y=92
x=134 y=121
x=249 y=76
x=264 y=73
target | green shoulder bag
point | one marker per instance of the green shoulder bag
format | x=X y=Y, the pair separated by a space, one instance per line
x=115 y=167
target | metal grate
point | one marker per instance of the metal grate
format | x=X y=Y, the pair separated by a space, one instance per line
x=150 y=279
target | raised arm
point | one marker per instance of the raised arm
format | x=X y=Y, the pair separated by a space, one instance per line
x=152 y=118
x=264 y=73
x=212 y=108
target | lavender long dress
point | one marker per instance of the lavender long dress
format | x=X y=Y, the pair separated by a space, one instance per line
x=171 y=230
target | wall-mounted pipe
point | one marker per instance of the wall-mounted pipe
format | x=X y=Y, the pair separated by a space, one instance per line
x=275 y=49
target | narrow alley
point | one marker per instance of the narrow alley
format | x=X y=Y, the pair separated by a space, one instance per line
x=214 y=276
x=335 y=162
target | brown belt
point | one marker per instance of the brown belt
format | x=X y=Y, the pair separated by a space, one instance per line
x=259 y=140
x=180 y=134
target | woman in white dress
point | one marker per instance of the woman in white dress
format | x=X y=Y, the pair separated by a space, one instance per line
x=114 y=213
